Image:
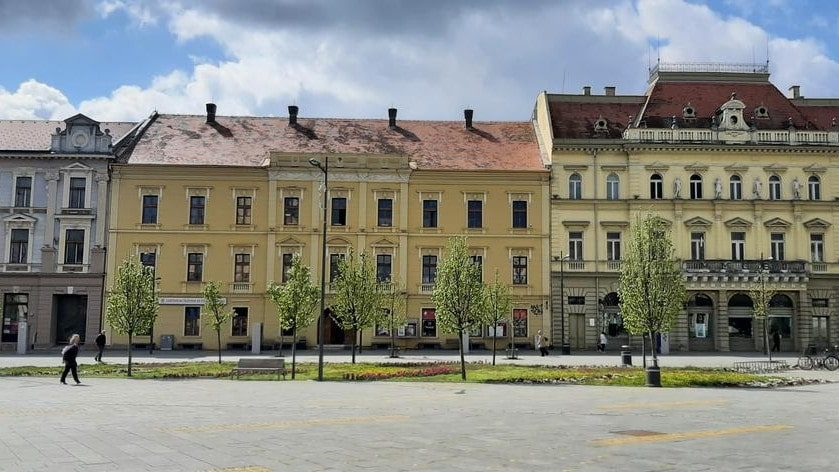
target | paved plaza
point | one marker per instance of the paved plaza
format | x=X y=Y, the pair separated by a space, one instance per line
x=213 y=425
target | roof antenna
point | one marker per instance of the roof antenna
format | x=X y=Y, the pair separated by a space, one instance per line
x=563 y=81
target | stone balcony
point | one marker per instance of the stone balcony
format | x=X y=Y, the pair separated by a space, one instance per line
x=753 y=136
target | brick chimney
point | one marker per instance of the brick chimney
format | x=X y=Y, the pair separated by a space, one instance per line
x=211 y=113
x=292 y=114
x=609 y=91
x=467 y=116
x=391 y=118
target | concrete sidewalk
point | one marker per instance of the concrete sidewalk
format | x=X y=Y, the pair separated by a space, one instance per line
x=53 y=357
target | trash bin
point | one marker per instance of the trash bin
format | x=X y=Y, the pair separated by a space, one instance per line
x=566 y=349
x=167 y=342
x=626 y=356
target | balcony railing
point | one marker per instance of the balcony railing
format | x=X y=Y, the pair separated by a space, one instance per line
x=241 y=287
x=426 y=288
x=745 y=266
x=754 y=136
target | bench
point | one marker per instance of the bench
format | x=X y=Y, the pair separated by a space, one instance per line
x=269 y=364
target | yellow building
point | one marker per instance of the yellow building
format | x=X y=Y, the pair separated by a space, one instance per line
x=743 y=175
x=232 y=199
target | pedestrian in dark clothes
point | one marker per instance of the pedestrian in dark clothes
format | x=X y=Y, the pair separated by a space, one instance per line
x=68 y=354
x=100 y=343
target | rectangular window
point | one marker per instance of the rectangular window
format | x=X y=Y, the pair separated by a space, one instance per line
x=243 y=210
x=74 y=246
x=196 y=210
x=385 y=213
x=192 y=321
x=19 y=250
x=575 y=246
x=429 y=213
x=817 y=247
x=519 y=214
x=475 y=216
x=820 y=302
x=520 y=323
x=148 y=259
x=777 y=246
x=429 y=323
x=149 y=209
x=291 y=211
x=738 y=246
x=383 y=268
x=335 y=267
x=77 y=191
x=429 y=269
x=576 y=300
x=195 y=267
x=613 y=246
x=242 y=268
x=23 y=191
x=697 y=246
x=288 y=260
x=478 y=261
x=339 y=211
x=519 y=270
x=240 y=321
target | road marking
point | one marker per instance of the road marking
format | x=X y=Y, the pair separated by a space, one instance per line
x=287 y=424
x=674 y=437
x=663 y=406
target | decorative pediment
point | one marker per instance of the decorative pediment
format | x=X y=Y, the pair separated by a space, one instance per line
x=698 y=222
x=338 y=242
x=613 y=168
x=576 y=223
x=777 y=223
x=20 y=218
x=657 y=166
x=815 y=169
x=614 y=224
x=77 y=166
x=663 y=221
x=290 y=242
x=735 y=167
x=575 y=167
x=775 y=168
x=697 y=167
x=80 y=119
x=738 y=223
x=816 y=223
x=384 y=242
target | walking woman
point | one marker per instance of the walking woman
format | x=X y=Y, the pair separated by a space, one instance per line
x=68 y=354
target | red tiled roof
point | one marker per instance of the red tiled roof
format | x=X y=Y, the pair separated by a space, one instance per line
x=246 y=141
x=576 y=119
x=668 y=99
x=36 y=135
x=822 y=117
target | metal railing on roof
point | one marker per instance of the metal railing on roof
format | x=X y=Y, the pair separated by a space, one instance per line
x=731 y=67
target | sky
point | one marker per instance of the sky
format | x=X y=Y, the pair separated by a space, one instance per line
x=122 y=59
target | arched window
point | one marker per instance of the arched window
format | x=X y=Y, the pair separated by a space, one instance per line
x=735 y=187
x=774 y=187
x=740 y=300
x=613 y=183
x=814 y=187
x=695 y=187
x=575 y=186
x=656 y=187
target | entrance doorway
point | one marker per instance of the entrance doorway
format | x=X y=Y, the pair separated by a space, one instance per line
x=333 y=332
x=740 y=323
x=578 y=331
x=70 y=314
x=15 y=307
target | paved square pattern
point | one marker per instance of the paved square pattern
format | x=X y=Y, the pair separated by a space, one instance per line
x=209 y=425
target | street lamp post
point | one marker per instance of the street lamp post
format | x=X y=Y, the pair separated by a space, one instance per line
x=764 y=304
x=325 y=169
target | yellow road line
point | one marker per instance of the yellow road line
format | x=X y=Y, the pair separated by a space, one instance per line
x=663 y=406
x=672 y=437
x=287 y=424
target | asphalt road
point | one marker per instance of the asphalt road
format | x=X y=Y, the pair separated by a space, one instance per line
x=208 y=425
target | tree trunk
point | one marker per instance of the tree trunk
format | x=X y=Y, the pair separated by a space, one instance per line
x=653 y=349
x=281 y=342
x=462 y=357
x=353 y=345
x=360 y=339
x=130 y=342
x=218 y=337
x=293 y=353
x=766 y=338
x=644 y=351
x=493 y=347
x=392 y=336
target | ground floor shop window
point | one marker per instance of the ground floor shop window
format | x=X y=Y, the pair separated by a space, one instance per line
x=429 y=323
x=520 y=323
x=240 y=321
x=820 y=336
x=614 y=324
x=740 y=327
x=500 y=331
x=699 y=325
x=782 y=325
x=15 y=308
x=192 y=321
x=475 y=331
x=409 y=330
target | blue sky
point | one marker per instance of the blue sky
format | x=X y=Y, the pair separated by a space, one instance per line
x=121 y=59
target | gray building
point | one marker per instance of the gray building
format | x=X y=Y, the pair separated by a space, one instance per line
x=53 y=205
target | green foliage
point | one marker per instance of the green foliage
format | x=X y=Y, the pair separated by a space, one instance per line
x=296 y=299
x=215 y=310
x=132 y=301
x=357 y=303
x=498 y=306
x=393 y=302
x=652 y=289
x=761 y=294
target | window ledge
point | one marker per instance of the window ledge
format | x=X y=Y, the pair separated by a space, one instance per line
x=243 y=227
x=149 y=226
x=431 y=230
x=190 y=227
x=475 y=230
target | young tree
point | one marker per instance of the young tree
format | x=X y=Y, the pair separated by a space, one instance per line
x=458 y=294
x=357 y=301
x=295 y=302
x=499 y=305
x=215 y=307
x=393 y=316
x=652 y=289
x=761 y=296
x=132 y=302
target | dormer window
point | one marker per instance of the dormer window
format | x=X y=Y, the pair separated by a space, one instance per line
x=761 y=112
x=688 y=112
x=601 y=124
x=732 y=115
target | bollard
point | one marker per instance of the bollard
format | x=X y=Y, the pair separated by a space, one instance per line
x=626 y=356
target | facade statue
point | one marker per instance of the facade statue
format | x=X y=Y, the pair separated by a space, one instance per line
x=677 y=188
x=718 y=188
x=796 y=189
x=757 y=188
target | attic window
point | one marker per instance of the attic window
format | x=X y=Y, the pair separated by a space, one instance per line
x=688 y=111
x=761 y=112
x=600 y=124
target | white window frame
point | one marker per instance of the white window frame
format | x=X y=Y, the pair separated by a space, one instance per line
x=613 y=185
x=735 y=187
x=817 y=247
x=76 y=171
x=775 y=187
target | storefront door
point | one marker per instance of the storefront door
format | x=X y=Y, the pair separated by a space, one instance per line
x=70 y=316
x=15 y=308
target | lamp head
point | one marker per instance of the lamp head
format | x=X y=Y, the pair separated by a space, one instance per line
x=314 y=162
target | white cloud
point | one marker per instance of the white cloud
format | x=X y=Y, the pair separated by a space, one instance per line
x=34 y=100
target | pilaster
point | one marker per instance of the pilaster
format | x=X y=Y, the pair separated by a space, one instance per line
x=101 y=208
x=52 y=197
x=721 y=329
